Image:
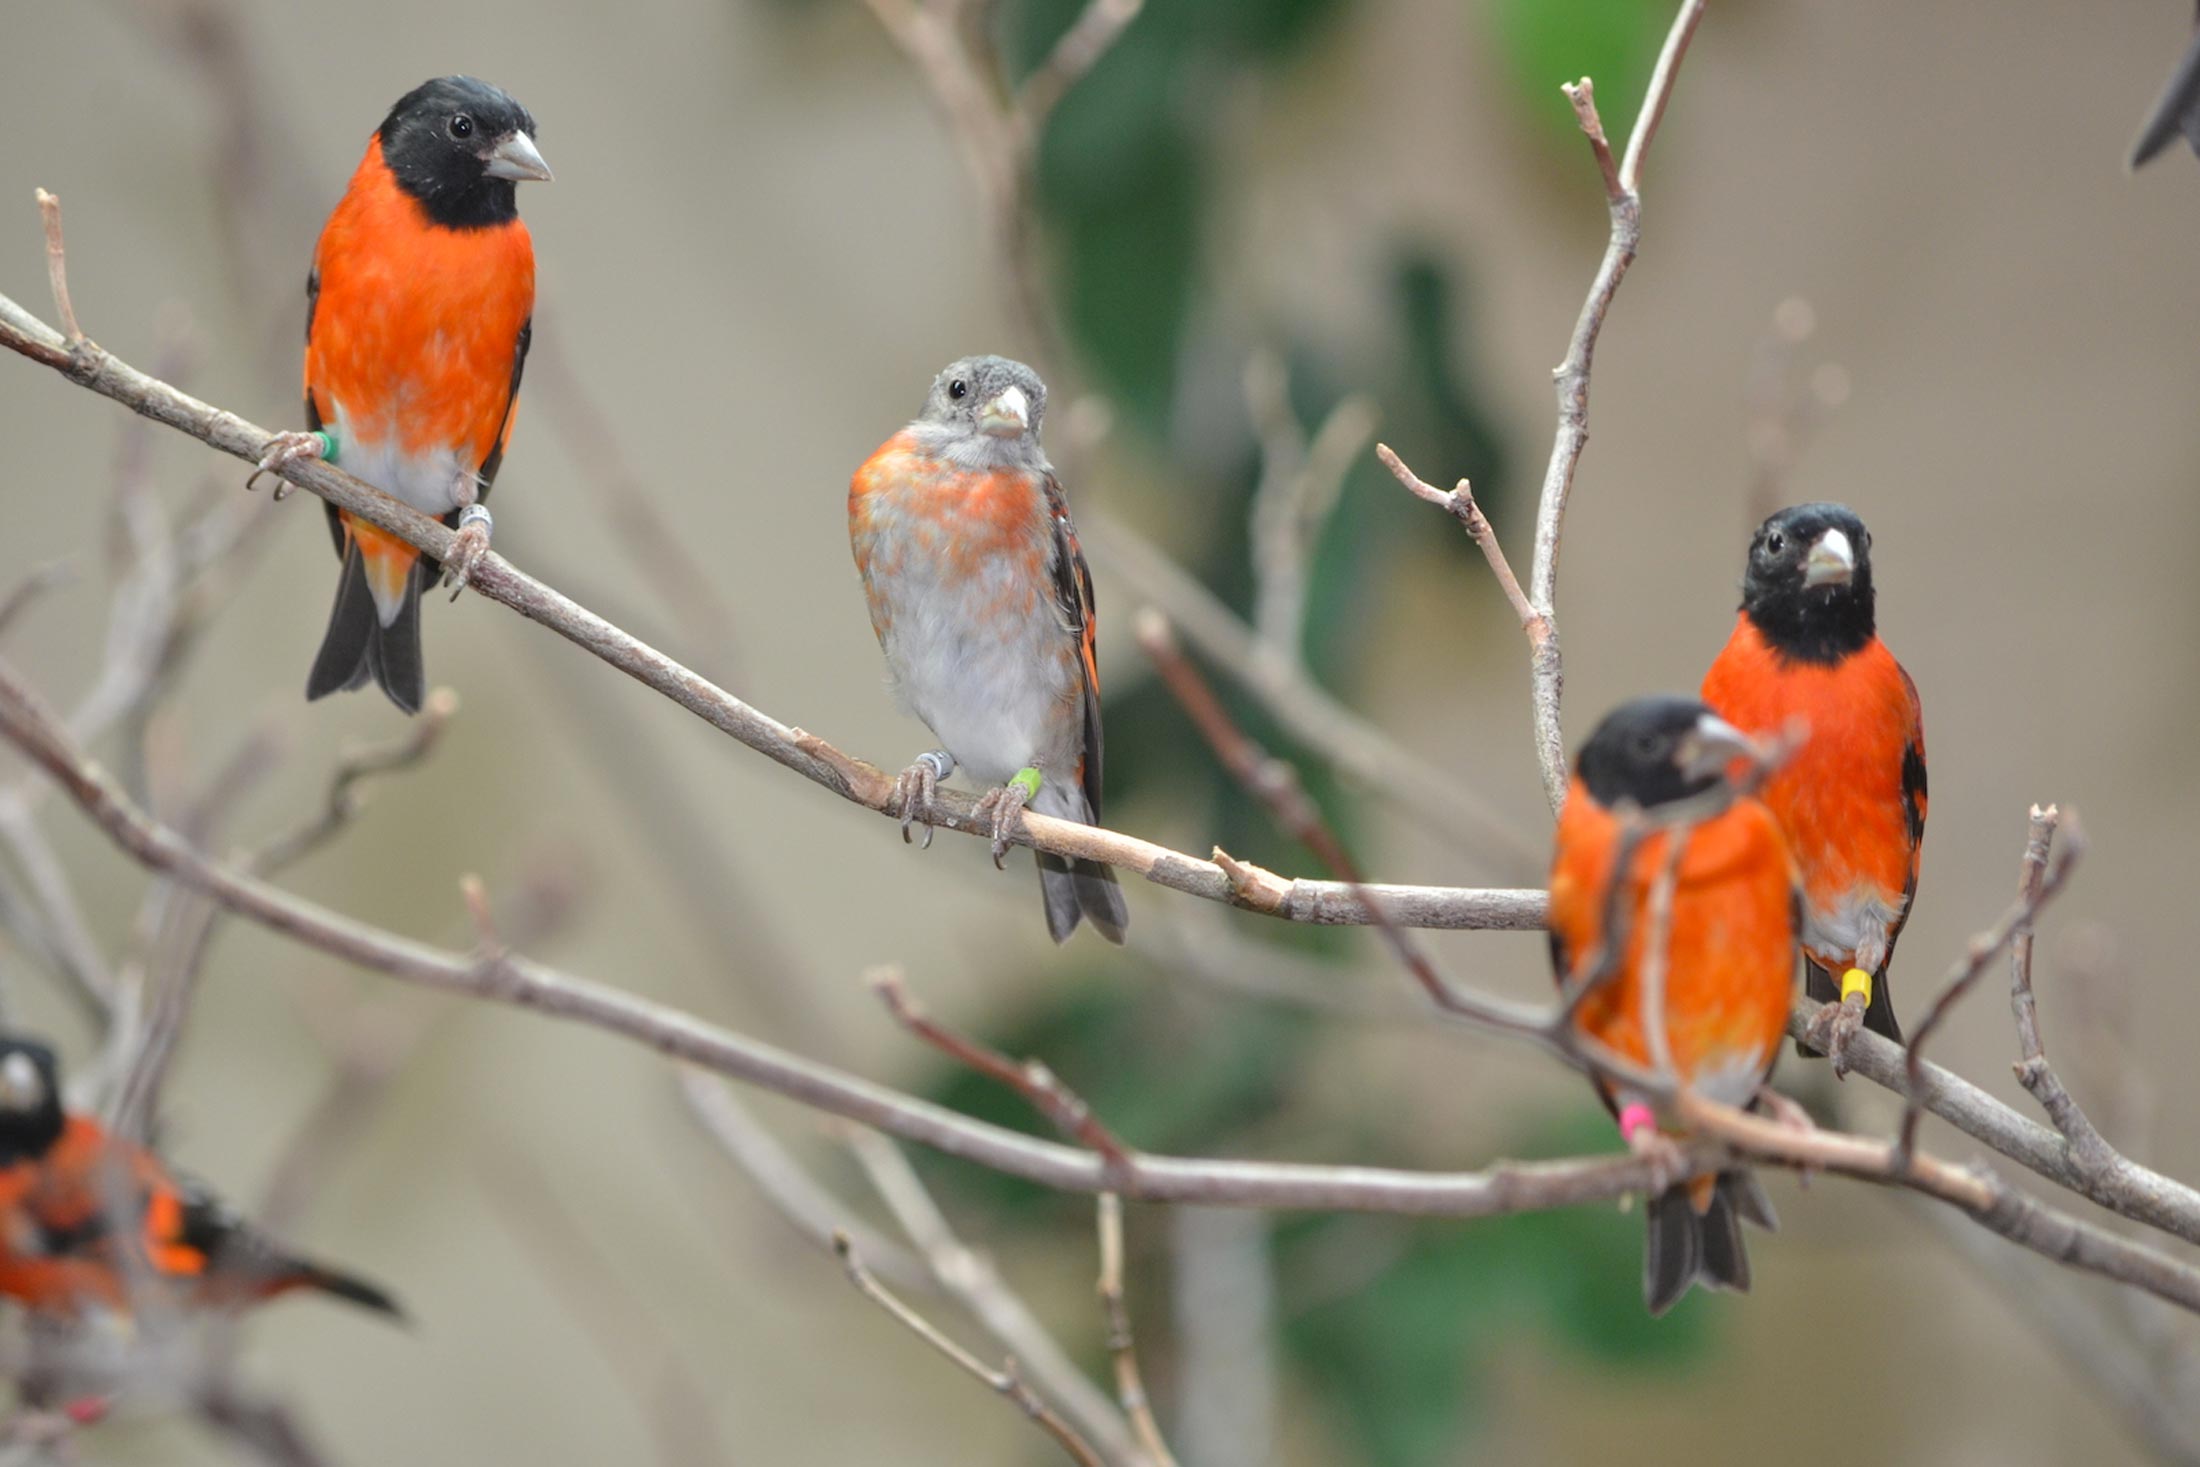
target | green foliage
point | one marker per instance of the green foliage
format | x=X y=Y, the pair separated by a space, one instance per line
x=1397 y=1362
x=1612 y=42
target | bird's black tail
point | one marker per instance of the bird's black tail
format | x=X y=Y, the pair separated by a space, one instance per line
x=1682 y=1247
x=2173 y=111
x=357 y=646
x=1820 y=984
x=1078 y=890
x=349 y=1287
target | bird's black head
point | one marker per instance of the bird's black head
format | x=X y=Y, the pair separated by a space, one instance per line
x=30 y=1099
x=460 y=147
x=1808 y=589
x=1653 y=751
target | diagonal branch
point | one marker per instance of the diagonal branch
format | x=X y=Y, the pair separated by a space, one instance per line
x=812 y=757
x=1007 y=1380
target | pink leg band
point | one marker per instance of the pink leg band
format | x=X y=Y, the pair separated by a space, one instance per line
x=1635 y=1117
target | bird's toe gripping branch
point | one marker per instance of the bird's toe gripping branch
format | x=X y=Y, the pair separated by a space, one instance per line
x=1668 y=1161
x=474 y=529
x=285 y=449
x=1005 y=806
x=1837 y=1023
x=916 y=787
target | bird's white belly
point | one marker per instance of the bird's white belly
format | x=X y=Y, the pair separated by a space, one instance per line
x=1853 y=928
x=427 y=481
x=989 y=684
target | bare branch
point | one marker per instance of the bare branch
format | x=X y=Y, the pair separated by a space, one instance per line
x=971 y=1279
x=1583 y=95
x=1063 y=1108
x=1660 y=93
x=1130 y=1381
x=792 y=1192
x=812 y=757
x=1355 y=748
x=1088 y=38
x=1006 y=1381
x=57 y=269
x=341 y=803
x=1572 y=378
x=2035 y=887
x=41 y=578
x=2090 y=1152
x=1542 y=633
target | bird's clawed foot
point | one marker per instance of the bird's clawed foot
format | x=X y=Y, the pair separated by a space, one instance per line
x=1835 y=1025
x=285 y=449
x=474 y=526
x=1668 y=1159
x=1005 y=806
x=914 y=789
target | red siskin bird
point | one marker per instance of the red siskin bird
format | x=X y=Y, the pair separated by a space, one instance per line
x=418 y=313
x=87 y=1218
x=983 y=605
x=1730 y=960
x=1852 y=800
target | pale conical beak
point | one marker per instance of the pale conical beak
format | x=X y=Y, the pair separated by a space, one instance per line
x=1712 y=746
x=1831 y=562
x=1007 y=416
x=516 y=157
x=21 y=1086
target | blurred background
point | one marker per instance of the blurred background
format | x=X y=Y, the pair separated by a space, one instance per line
x=1891 y=256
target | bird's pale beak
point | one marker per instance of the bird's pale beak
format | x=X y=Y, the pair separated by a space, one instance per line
x=1006 y=416
x=516 y=157
x=1712 y=747
x=1831 y=562
x=21 y=1087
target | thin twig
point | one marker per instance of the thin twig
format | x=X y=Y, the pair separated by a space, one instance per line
x=1006 y=1381
x=1423 y=791
x=40 y=579
x=1088 y=39
x=1130 y=1381
x=2037 y=884
x=1063 y=1108
x=793 y=1193
x=2090 y=1152
x=57 y=268
x=341 y=802
x=971 y=1278
x=1572 y=378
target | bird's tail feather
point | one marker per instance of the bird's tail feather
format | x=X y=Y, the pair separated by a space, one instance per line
x=1078 y=890
x=357 y=646
x=1682 y=1247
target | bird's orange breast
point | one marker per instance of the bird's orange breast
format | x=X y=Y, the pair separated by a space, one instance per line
x=415 y=331
x=1841 y=799
x=1731 y=941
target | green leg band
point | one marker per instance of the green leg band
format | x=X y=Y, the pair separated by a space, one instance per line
x=328 y=446
x=1028 y=779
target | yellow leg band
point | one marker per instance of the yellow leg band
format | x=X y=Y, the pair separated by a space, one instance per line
x=1856 y=980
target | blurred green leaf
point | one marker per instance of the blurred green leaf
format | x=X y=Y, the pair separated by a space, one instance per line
x=1397 y=1360
x=1545 y=43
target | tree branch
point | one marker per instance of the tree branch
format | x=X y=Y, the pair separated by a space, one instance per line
x=1006 y=1380
x=812 y=757
x=1572 y=378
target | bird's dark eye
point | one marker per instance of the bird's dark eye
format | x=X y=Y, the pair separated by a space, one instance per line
x=462 y=126
x=1776 y=542
x=958 y=389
